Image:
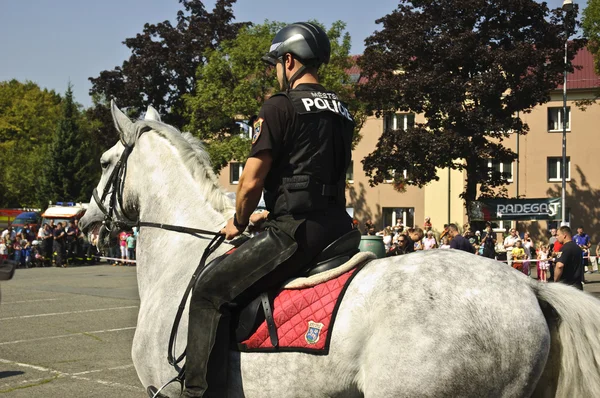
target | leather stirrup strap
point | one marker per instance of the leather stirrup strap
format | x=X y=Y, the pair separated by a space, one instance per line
x=266 y=304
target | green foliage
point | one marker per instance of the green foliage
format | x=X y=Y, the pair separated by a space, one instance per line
x=28 y=116
x=164 y=59
x=234 y=83
x=68 y=170
x=469 y=67
x=229 y=148
x=591 y=29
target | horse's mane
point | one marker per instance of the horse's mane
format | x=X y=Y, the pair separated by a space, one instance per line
x=195 y=158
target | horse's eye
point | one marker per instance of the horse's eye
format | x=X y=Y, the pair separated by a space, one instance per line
x=104 y=164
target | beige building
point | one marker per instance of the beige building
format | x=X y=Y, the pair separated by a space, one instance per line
x=539 y=160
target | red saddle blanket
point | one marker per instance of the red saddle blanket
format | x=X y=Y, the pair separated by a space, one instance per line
x=304 y=318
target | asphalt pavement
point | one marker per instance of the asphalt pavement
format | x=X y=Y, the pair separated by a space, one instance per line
x=67 y=332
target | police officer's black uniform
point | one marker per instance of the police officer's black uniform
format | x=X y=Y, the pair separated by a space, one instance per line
x=309 y=132
x=571 y=256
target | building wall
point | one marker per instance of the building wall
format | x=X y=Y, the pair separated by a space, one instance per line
x=439 y=193
x=371 y=202
x=583 y=149
x=583 y=190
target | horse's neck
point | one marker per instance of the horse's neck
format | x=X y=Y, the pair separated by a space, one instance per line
x=167 y=258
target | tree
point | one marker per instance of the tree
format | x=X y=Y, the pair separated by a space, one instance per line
x=67 y=173
x=97 y=122
x=162 y=66
x=234 y=83
x=28 y=116
x=591 y=29
x=470 y=67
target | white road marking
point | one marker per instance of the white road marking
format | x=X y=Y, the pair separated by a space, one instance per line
x=26 y=301
x=67 y=313
x=26 y=365
x=73 y=375
x=66 y=335
x=108 y=383
x=103 y=370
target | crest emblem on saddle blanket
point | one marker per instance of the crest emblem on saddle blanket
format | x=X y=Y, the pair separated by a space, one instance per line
x=314 y=332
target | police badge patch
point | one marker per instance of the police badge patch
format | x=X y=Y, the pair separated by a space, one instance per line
x=313 y=333
x=257 y=129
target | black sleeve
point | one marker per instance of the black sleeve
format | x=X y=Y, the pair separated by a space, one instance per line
x=270 y=127
x=569 y=255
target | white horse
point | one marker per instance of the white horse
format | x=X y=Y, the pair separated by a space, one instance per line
x=432 y=324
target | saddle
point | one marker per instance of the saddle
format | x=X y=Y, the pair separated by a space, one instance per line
x=248 y=318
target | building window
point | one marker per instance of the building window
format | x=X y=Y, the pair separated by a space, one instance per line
x=245 y=129
x=235 y=171
x=399 y=121
x=504 y=168
x=350 y=172
x=392 y=214
x=555 y=119
x=555 y=169
x=389 y=178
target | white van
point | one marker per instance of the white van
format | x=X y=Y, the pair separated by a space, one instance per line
x=64 y=212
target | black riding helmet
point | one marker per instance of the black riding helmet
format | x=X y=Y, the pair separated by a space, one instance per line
x=306 y=41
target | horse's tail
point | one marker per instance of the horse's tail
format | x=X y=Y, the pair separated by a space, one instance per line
x=573 y=366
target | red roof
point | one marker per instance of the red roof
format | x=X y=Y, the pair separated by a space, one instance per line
x=585 y=77
x=582 y=78
x=354 y=71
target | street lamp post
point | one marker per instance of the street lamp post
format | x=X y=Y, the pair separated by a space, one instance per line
x=567 y=6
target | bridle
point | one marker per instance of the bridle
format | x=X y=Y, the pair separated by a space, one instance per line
x=114 y=187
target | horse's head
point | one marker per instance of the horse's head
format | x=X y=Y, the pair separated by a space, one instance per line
x=112 y=201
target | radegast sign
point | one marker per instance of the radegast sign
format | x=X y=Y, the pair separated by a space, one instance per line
x=515 y=209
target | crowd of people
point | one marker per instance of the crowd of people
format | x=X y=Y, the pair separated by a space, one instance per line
x=399 y=240
x=520 y=251
x=62 y=244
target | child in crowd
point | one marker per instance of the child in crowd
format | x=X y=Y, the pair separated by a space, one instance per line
x=445 y=243
x=518 y=255
x=130 y=248
x=123 y=246
x=17 y=250
x=543 y=265
x=3 y=250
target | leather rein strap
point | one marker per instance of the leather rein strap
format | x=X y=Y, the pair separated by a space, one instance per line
x=212 y=246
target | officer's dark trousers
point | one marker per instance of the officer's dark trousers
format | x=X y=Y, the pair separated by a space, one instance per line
x=261 y=264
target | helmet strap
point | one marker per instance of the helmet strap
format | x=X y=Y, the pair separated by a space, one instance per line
x=287 y=84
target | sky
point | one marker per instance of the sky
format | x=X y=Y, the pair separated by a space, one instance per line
x=54 y=42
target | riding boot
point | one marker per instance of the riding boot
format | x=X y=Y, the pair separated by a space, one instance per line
x=203 y=323
x=218 y=362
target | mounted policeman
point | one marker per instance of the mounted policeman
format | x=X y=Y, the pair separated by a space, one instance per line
x=301 y=149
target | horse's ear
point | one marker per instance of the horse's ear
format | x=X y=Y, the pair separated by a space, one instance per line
x=122 y=122
x=152 y=114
